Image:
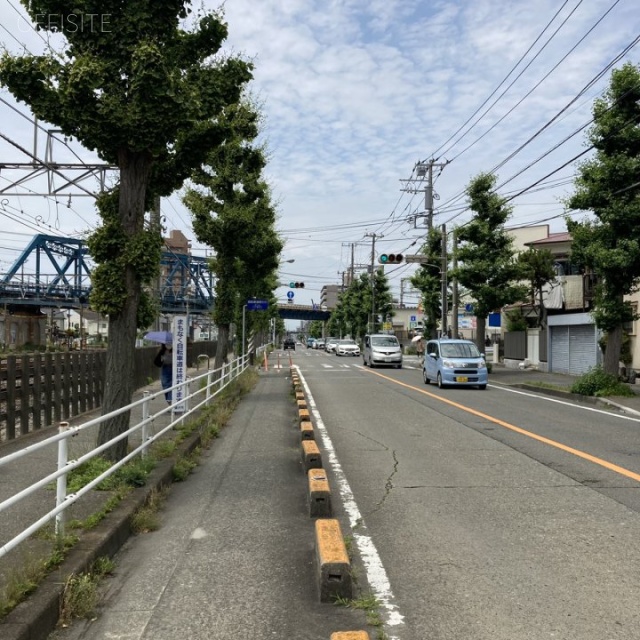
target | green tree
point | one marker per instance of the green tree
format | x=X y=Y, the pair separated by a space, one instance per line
x=233 y=214
x=537 y=268
x=487 y=266
x=428 y=280
x=315 y=328
x=383 y=300
x=609 y=245
x=144 y=94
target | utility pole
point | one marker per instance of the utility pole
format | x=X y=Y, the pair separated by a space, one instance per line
x=454 y=286
x=373 y=237
x=352 y=272
x=444 y=280
x=424 y=173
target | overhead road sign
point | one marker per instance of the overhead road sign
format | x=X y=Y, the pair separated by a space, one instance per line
x=417 y=258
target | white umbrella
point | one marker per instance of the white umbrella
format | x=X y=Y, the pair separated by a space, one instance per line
x=417 y=338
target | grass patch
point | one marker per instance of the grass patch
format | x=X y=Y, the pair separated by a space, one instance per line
x=146 y=519
x=80 y=595
x=371 y=606
x=596 y=382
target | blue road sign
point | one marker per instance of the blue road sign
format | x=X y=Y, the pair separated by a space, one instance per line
x=413 y=319
x=290 y=294
x=257 y=305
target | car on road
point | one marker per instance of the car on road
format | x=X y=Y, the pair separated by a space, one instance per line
x=319 y=344
x=454 y=362
x=289 y=343
x=330 y=344
x=347 y=347
x=310 y=343
x=382 y=349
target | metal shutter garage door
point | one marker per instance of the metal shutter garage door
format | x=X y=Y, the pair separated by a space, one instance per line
x=582 y=349
x=560 y=349
x=573 y=349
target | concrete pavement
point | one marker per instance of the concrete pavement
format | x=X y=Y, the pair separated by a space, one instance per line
x=234 y=555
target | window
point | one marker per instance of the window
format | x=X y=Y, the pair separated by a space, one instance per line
x=630 y=327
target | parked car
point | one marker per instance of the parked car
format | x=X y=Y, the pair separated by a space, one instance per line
x=330 y=344
x=382 y=349
x=347 y=348
x=454 y=362
x=289 y=343
x=310 y=343
x=319 y=344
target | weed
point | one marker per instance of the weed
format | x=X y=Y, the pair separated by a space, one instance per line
x=371 y=606
x=597 y=382
x=182 y=468
x=146 y=518
x=163 y=449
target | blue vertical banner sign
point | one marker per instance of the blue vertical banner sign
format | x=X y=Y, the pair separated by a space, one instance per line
x=179 y=361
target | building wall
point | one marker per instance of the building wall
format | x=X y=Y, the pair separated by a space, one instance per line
x=329 y=295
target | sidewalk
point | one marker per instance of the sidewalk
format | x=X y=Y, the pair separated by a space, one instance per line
x=234 y=554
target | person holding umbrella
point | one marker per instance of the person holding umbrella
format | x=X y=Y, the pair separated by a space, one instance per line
x=164 y=360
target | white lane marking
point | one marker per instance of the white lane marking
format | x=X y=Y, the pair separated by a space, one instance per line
x=565 y=402
x=376 y=573
x=327 y=366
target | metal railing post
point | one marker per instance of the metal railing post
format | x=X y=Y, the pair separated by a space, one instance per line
x=209 y=383
x=146 y=412
x=61 y=482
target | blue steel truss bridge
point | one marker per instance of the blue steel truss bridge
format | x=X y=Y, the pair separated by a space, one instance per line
x=56 y=272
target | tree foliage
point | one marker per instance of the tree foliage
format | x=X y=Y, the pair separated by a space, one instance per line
x=487 y=266
x=607 y=186
x=145 y=94
x=352 y=315
x=537 y=268
x=428 y=280
x=233 y=214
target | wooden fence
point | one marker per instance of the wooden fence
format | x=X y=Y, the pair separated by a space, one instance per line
x=40 y=390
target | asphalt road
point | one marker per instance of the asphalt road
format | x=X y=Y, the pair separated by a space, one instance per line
x=476 y=515
x=495 y=514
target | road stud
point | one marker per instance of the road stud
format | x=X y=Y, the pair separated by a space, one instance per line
x=334 y=568
x=311 y=458
x=306 y=431
x=319 y=494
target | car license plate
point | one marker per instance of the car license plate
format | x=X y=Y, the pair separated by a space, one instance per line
x=462 y=379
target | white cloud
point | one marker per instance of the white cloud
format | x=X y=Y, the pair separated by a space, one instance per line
x=355 y=92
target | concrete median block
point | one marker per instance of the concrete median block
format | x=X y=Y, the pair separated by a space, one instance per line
x=303 y=415
x=311 y=458
x=334 y=567
x=349 y=635
x=300 y=395
x=306 y=431
x=302 y=404
x=319 y=494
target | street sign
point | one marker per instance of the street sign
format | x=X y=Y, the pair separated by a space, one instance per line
x=290 y=295
x=257 y=305
x=416 y=258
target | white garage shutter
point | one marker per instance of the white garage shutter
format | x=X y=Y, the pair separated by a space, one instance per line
x=560 y=349
x=582 y=349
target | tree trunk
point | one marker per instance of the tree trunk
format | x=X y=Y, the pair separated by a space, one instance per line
x=135 y=169
x=481 y=327
x=611 y=360
x=221 y=348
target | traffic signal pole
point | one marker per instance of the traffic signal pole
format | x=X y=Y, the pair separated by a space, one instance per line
x=373 y=237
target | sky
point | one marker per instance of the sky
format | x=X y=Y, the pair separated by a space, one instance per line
x=354 y=94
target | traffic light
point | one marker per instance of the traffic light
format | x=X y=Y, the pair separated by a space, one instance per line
x=296 y=285
x=390 y=258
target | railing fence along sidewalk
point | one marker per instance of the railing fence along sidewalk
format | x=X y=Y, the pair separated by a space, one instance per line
x=208 y=385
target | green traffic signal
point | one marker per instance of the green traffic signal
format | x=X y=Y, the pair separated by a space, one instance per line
x=390 y=258
x=296 y=285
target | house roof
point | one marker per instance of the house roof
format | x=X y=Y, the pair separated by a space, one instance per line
x=563 y=236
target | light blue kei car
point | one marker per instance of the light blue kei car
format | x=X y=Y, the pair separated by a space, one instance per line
x=455 y=363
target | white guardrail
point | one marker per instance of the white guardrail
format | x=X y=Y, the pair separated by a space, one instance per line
x=207 y=386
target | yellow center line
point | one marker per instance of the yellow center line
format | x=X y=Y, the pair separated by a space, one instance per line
x=507 y=425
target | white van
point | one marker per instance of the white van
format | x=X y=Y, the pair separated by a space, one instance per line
x=382 y=349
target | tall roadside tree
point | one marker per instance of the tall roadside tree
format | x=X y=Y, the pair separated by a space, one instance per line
x=537 y=269
x=233 y=213
x=144 y=94
x=428 y=280
x=607 y=185
x=486 y=259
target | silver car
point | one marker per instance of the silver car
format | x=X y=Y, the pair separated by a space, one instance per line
x=347 y=348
